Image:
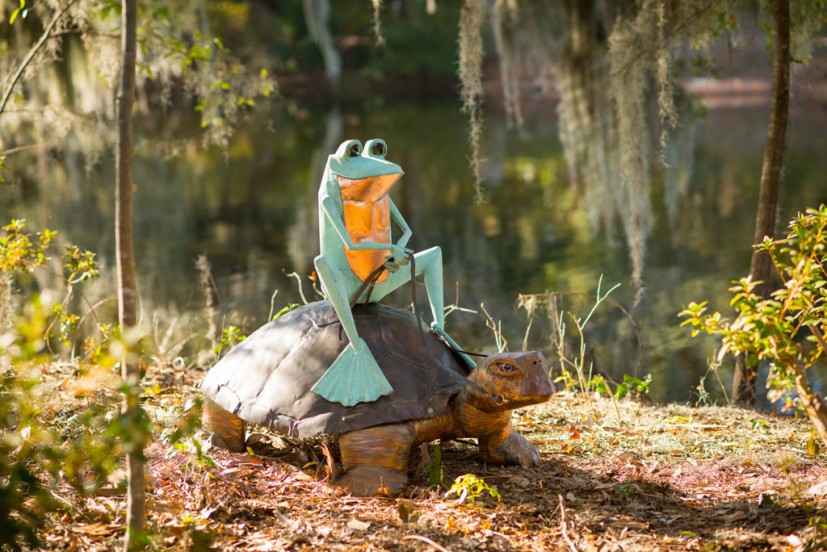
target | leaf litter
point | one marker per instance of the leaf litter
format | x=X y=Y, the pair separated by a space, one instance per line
x=639 y=477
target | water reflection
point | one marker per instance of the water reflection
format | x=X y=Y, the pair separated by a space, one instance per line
x=252 y=211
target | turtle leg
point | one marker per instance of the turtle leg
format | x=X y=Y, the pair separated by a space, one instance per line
x=354 y=376
x=226 y=429
x=375 y=460
x=507 y=446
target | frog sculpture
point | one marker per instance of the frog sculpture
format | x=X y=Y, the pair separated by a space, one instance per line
x=355 y=215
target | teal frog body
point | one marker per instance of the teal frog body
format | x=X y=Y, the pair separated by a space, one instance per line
x=355 y=215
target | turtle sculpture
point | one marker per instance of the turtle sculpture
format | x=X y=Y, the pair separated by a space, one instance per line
x=267 y=380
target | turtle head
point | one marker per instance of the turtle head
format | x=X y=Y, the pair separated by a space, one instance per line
x=505 y=381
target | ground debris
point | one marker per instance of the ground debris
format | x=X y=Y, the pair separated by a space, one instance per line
x=639 y=477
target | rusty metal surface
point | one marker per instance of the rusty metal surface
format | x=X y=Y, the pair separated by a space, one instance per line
x=267 y=378
x=367 y=217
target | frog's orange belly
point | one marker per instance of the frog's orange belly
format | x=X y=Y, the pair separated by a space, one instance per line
x=367 y=221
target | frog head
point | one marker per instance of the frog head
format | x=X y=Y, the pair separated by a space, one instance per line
x=362 y=173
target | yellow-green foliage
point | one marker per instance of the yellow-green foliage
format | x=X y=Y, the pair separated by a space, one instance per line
x=39 y=445
x=470 y=488
x=788 y=328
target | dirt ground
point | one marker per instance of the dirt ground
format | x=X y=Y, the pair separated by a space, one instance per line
x=629 y=476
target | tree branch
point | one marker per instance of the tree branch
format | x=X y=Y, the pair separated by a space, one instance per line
x=30 y=56
x=819 y=336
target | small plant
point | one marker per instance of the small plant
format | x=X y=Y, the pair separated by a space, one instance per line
x=625 y=492
x=817 y=533
x=470 y=488
x=633 y=386
x=230 y=337
x=788 y=328
x=436 y=474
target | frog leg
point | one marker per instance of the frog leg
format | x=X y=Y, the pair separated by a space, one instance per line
x=354 y=376
x=429 y=265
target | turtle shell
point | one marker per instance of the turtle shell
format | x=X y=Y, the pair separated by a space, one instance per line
x=266 y=379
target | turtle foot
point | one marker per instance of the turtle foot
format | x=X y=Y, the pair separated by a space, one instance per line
x=440 y=331
x=353 y=378
x=515 y=449
x=225 y=429
x=371 y=481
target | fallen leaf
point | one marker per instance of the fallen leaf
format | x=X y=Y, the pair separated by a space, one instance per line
x=573 y=432
x=96 y=529
x=819 y=489
x=405 y=508
x=522 y=482
x=357 y=525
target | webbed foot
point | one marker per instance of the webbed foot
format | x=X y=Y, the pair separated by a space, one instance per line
x=353 y=378
x=440 y=331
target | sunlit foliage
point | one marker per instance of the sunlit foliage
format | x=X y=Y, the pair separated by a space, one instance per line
x=788 y=329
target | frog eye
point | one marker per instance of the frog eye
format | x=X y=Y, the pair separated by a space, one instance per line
x=349 y=149
x=354 y=149
x=377 y=148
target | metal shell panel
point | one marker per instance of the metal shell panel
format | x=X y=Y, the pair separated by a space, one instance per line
x=266 y=379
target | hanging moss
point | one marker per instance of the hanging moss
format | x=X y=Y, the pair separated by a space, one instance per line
x=471 y=19
x=604 y=58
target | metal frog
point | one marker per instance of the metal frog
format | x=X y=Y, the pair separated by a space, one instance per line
x=355 y=215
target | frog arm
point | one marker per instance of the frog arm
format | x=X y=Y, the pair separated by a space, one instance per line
x=333 y=212
x=397 y=217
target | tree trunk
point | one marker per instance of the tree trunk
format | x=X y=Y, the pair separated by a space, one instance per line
x=743 y=382
x=127 y=286
x=316 y=17
x=813 y=403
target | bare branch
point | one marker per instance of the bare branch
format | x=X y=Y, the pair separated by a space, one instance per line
x=30 y=56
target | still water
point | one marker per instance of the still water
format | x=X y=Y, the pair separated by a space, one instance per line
x=252 y=211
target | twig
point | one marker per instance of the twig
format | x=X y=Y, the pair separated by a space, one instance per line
x=30 y=56
x=18 y=148
x=549 y=296
x=819 y=336
x=494 y=326
x=427 y=541
x=563 y=525
x=272 y=305
x=299 y=280
x=677 y=30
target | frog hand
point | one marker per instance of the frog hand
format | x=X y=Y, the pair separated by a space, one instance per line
x=400 y=256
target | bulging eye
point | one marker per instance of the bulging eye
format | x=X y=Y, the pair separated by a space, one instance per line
x=379 y=149
x=355 y=150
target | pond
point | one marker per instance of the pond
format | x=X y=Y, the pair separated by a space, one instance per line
x=252 y=211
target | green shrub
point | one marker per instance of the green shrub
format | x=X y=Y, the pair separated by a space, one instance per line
x=788 y=328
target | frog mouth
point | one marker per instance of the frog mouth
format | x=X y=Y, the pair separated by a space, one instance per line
x=368 y=189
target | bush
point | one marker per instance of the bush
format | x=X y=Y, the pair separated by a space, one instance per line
x=788 y=328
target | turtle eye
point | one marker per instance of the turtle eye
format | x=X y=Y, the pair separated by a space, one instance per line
x=505 y=369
